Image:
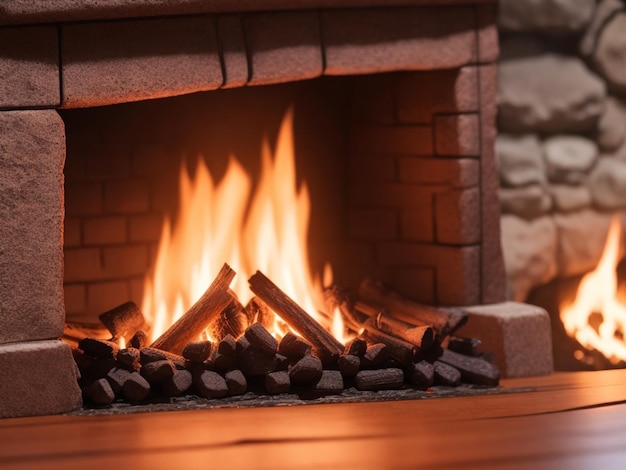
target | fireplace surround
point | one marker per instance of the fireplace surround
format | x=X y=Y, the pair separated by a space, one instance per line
x=425 y=210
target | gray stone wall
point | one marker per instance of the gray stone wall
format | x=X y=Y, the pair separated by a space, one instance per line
x=561 y=147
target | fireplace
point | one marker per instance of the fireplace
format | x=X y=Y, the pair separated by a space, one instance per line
x=409 y=96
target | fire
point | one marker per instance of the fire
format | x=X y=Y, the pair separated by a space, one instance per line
x=225 y=222
x=597 y=293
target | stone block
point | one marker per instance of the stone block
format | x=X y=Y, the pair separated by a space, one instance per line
x=233 y=51
x=49 y=387
x=457 y=135
x=32 y=151
x=29 y=67
x=114 y=62
x=283 y=47
x=488 y=44
x=518 y=334
x=403 y=140
x=455 y=173
x=457 y=217
x=421 y=95
x=373 y=225
x=381 y=40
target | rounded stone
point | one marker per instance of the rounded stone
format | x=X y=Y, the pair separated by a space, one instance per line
x=548 y=16
x=528 y=202
x=611 y=129
x=568 y=198
x=520 y=160
x=607 y=183
x=569 y=158
x=609 y=56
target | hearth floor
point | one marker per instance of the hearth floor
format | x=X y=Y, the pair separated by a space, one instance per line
x=568 y=420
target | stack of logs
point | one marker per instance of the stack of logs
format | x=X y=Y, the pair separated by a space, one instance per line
x=397 y=344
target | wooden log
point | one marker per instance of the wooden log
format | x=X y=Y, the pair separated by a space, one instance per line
x=277 y=382
x=349 y=365
x=177 y=384
x=210 y=384
x=420 y=336
x=98 y=348
x=356 y=347
x=199 y=316
x=261 y=339
x=294 y=347
x=198 y=351
x=139 y=340
x=123 y=321
x=444 y=320
x=400 y=350
x=446 y=374
x=336 y=297
x=375 y=356
x=466 y=346
x=257 y=311
x=307 y=370
x=136 y=388
x=473 y=369
x=326 y=346
x=73 y=332
x=379 y=379
x=421 y=374
x=236 y=382
x=230 y=321
x=100 y=392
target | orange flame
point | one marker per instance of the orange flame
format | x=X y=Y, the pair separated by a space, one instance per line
x=597 y=293
x=213 y=227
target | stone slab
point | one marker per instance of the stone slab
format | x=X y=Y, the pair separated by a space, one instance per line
x=232 y=45
x=32 y=151
x=457 y=135
x=382 y=40
x=283 y=47
x=115 y=62
x=37 y=378
x=519 y=335
x=29 y=67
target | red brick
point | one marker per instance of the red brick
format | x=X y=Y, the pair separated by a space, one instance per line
x=492 y=265
x=373 y=99
x=283 y=46
x=103 y=296
x=404 y=39
x=415 y=283
x=83 y=198
x=125 y=260
x=120 y=61
x=373 y=168
x=145 y=228
x=455 y=173
x=457 y=217
x=152 y=159
x=82 y=264
x=75 y=299
x=417 y=224
x=390 y=195
x=421 y=95
x=233 y=50
x=457 y=135
x=403 y=140
x=136 y=286
x=488 y=44
x=72 y=232
x=29 y=67
x=457 y=269
x=126 y=197
x=104 y=231
x=373 y=225
x=104 y=162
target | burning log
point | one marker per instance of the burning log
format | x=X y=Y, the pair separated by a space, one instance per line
x=379 y=379
x=123 y=321
x=231 y=321
x=200 y=315
x=99 y=349
x=325 y=344
x=420 y=336
x=258 y=312
x=337 y=297
x=443 y=320
x=73 y=332
x=400 y=350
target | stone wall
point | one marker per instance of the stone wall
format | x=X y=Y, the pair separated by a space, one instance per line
x=562 y=125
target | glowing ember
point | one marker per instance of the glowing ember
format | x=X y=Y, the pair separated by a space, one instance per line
x=597 y=294
x=213 y=227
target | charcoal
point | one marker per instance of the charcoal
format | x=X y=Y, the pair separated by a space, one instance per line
x=177 y=384
x=236 y=382
x=375 y=356
x=116 y=378
x=330 y=383
x=129 y=359
x=136 y=388
x=227 y=345
x=224 y=362
x=307 y=370
x=379 y=379
x=139 y=340
x=356 y=347
x=277 y=382
x=261 y=339
x=421 y=373
x=446 y=375
x=98 y=348
x=210 y=384
x=158 y=371
x=100 y=392
x=197 y=351
x=349 y=365
x=294 y=347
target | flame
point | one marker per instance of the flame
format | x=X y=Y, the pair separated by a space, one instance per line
x=219 y=222
x=597 y=293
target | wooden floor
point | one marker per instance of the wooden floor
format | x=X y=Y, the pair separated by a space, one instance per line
x=571 y=421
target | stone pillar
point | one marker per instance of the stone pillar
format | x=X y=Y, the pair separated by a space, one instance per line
x=32 y=153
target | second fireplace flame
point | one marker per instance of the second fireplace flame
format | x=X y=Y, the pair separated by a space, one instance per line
x=225 y=222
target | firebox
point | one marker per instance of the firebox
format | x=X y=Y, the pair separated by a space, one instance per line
x=394 y=108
